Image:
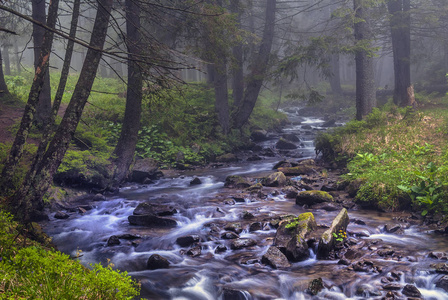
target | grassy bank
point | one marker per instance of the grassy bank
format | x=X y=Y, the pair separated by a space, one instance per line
x=396 y=158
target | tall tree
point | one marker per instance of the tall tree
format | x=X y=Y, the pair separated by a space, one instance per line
x=258 y=69
x=16 y=152
x=44 y=105
x=125 y=148
x=237 y=62
x=400 y=28
x=3 y=87
x=28 y=201
x=365 y=80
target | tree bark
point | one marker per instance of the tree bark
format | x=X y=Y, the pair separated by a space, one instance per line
x=258 y=69
x=6 y=59
x=17 y=57
x=125 y=148
x=3 y=87
x=237 y=64
x=16 y=151
x=27 y=202
x=365 y=80
x=335 y=79
x=221 y=93
x=400 y=27
x=43 y=109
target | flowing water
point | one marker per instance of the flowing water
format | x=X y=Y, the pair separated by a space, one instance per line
x=239 y=274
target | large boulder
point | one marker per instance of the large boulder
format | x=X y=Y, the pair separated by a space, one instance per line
x=235 y=181
x=313 y=197
x=291 y=137
x=157 y=261
x=328 y=240
x=443 y=283
x=188 y=240
x=259 y=135
x=151 y=221
x=285 y=144
x=277 y=179
x=275 y=258
x=146 y=208
x=226 y=158
x=145 y=169
x=291 y=235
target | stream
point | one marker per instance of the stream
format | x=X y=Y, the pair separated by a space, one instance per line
x=220 y=272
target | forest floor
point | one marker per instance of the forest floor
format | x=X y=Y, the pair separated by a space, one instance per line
x=10 y=114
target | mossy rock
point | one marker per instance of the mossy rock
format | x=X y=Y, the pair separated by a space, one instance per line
x=277 y=179
x=297 y=170
x=235 y=181
x=328 y=240
x=313 y=197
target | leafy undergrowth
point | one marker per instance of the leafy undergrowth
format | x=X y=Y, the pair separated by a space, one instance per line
x=29 y=270
x=398 y=155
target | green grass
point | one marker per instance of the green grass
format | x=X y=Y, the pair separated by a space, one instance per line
x=30 y=271
x=399 y=154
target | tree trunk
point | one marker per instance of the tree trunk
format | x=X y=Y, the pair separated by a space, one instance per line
x=258 y=68
x=335 y=79
x=17 y=57
x=400 y=27
x=16 y=151
x=365 y=80
x=27 y=202
x=48 y=127
x=221 y=93
x=125 y=149
x=237 y=64
x=6 y=59
x=43 y=109
x=3 y=87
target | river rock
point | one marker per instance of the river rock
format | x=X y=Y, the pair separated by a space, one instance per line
x=313 y=197
x=285 y=164
x=329 y=123
x=438 y=255
x=290 y=192
x=440 y=267
x=255 y=226
x=275 y=258
x=151 y=221
x=366 y=291
x=246 y=215
x=235 y=227
x=268 y=152
x=277 y=179
x=393 y=228
x=315 y=286
x=443 y=283
x=297 y=170
x=61 y=215
x=411 y=291
x=255 y=187
x=327 y=206
x=254 y=158
x=233 y=294
x=285 y=144
x=291 y=137
x=259 y=135
x=292 y=241
x=195 y=181
x=99 y=197
x=242 y=243
x=157 y=261
x=113 y=240
x=188 y=240
x=226 y=158
x=146 y=208
x=146 y=168
x=220 y=248
x=194 y=251
x=228 y=235
x=235 y=181
x=354 y=186
x=328 y=241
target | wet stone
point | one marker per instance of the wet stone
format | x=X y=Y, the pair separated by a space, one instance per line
x=242 y=243
x=61 y=215
x=113 y=240
x=246 y=215
x=440 y=268
x=393 y=228
x=233 y=294
x=411 y=291
x=255 y=226
x=315 y=286
x=194 y=251
x=443 y=283
x=275 y=258
x=392 y=286
x=157 y=261
x=185 y=241
x=235 y=227
x=435 y=255
x=220 y=249
x=196 y=181
x=229 y=235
